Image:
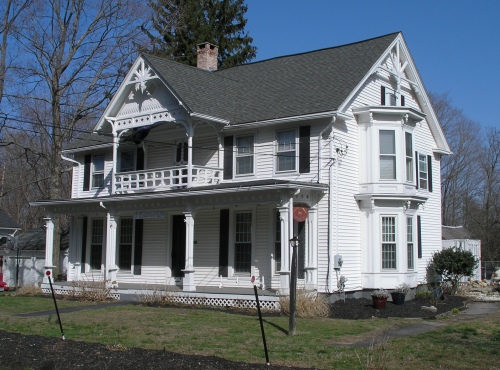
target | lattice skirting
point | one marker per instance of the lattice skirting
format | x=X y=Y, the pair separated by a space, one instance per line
x=182 y=298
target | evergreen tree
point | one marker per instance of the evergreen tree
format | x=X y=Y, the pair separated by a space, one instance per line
x=177 y=26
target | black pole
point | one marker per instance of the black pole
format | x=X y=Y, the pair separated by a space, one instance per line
x=293 y=288
x=55 y=304
x=261 y=324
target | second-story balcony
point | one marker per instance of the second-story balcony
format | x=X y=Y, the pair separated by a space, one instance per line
x=167 y=178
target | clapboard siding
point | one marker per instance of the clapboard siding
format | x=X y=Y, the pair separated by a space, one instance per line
x=206 y=249
x=154 y=252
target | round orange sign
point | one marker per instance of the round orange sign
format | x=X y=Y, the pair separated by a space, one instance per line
x=300 y=214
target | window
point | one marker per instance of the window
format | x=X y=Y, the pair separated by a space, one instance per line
x=409 y=244
x=243 y=242
x=409 y=156
x=277 y=243
x=389 y=242
x=244 y=155
x=286 y=151
x=387 y=142
x=98 y=171
x=96 y=240
x=125 y=246
x=422 y=171
x=127 y=161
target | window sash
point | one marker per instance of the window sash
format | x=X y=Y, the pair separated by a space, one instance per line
x=243 y=242
x=409 y=244
x=98 y=171
x=125 y=246
x=389 y=242
x=387 y=142
x=96 y=240
x=422 y=172
x=244 y=155
x=409 y=156
x=286 y=155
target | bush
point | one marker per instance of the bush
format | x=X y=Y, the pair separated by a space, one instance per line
x=453 y=264
x=309 y=305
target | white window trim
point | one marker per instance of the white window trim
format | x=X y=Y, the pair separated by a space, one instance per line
x=119 y=243
x=277 y=151
x=232 y=239
x=394 y=155
x=420 y=187
x=410 y=221
x=88 y=248
x=94 y=172
x=395 y=217
x=411 y=166
x=236 y=155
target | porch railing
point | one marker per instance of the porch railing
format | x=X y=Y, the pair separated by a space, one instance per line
x=166 y=178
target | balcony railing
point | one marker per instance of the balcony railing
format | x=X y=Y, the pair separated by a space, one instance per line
x=166 y=178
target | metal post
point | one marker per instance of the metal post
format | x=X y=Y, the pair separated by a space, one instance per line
x=293 y=286
x=260 y=319
x=55 y=304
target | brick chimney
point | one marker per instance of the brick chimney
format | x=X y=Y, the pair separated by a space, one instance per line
x=207 y=56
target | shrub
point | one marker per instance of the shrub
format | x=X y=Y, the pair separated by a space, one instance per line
x=309 y=305
x=155 y=297
x=453 y=264
x=28 y=291
x=90 y=291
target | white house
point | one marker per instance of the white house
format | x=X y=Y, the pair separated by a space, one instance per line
x=198 y=177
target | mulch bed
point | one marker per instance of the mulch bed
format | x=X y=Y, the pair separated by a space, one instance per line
x=36 y=352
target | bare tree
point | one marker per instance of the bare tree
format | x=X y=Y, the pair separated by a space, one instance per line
x=75 y=53
x=11 y=10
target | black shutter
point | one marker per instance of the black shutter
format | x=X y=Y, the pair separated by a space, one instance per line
x=402 y=100
x=382 y=95
x=419 y=236
x=84 y=243
x=228 y=157
x=86 y=172
x=224 y=242
x=304 y=149
x=429 y=171
x=416 y=167
x=139 y=227
x=140 y=159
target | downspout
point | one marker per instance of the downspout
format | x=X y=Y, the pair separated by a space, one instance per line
x=330 y=216
x=79 y=171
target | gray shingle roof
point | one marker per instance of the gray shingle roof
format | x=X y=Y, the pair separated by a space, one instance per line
x=307 y=83
x=455 y=232
x=7 y=222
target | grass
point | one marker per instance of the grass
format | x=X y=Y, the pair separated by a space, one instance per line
x=474 y=344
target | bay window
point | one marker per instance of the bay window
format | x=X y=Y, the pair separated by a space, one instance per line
x=409 y=156
x=387 y=141
x=388 y=242
x=409 y=244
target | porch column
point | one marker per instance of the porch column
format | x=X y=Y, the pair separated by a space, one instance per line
x=111 y=268
x=312 y=250
x=49 y=247
x=285 y=250
x=188 y=282
x=190 y=155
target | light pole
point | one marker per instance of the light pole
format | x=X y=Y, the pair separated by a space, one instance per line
x=294 y=243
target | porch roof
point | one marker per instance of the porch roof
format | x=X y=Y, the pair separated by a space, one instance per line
x=218 y=189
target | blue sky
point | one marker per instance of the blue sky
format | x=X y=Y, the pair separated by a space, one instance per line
x=455 y=43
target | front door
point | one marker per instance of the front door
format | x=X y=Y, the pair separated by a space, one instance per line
x=178 y=245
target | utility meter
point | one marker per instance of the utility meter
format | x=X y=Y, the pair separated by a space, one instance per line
x=337 y=261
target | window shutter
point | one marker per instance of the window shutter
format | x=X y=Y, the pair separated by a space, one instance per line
x=382 y=95
x=139 y=227
x=416 y=169
x=228 y=157
x=419 y=236
x=402 y=100
x=84 y=243
x=224 y=242
x=304 y=149
x=140 y=159
x=86 y=172
x=429 y=171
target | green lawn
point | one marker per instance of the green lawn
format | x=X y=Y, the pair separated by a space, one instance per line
x=237 y=337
